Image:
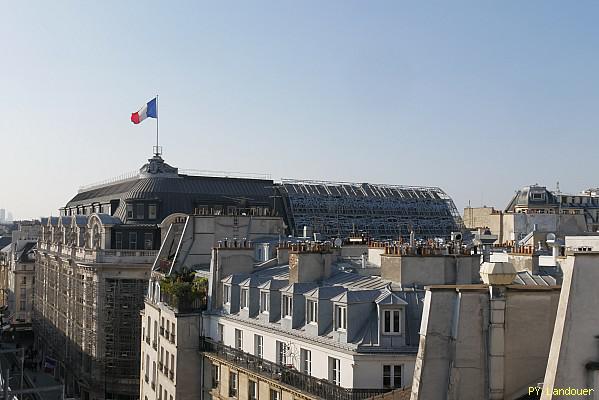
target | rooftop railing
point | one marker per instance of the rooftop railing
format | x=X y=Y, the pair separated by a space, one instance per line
x=285 y=374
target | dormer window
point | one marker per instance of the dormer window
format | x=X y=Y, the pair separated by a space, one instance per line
x=140 y=211
x=152 y=211
x=226 y=294
x=340 y=318
x=244 y=298
x=130 y=211
x=391 y=322
x=287 y=306
x=264 y=302
x=311 y=312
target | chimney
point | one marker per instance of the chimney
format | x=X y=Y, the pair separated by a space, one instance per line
x=309 y=263
x=229 y=257
x=283 y=253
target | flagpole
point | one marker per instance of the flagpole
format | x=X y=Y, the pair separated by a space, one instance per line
x=157 y=148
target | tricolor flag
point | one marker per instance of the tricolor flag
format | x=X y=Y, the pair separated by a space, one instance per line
x=148 y=110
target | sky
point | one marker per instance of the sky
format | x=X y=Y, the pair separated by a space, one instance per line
x=479 y=98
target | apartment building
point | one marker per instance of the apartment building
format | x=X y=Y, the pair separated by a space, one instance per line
x=171 y=365
x=308 y=326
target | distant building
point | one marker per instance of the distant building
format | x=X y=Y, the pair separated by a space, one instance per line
x=21 y=276
x=535 y=208
x=2 y=215
x=17 y=274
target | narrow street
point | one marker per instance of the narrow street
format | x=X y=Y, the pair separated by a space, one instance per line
x=32 y=376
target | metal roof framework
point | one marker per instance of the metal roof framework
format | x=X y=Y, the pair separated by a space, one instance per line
x=379 y=210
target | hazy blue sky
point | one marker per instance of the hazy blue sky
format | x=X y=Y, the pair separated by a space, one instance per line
x=477 y=97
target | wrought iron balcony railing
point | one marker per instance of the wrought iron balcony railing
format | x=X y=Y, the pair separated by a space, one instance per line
x=285 y=374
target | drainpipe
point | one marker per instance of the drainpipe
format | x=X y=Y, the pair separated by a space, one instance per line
x=496 y=349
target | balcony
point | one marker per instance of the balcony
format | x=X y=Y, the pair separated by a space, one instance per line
x=155 y=345
x=284 y=374
x=147 y=339
x=172 y=339
x=162 y=331
x=153 y=386
x=100 y=255
x=171 y=374
x=146 y=378
x=160 y=366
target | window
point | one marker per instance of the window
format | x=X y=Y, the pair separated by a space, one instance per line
x=258 y=346
x=334 y=371
x=238 y=339
x=252 y=390
x=244 y=298
x=392 y=322
x=215 y=375
x=148 y=241
x=24 y=280
x=159 y=392
x=226 y=294
x=232 y=384
x=391 y=376
x=133 y=240
x=287 y=306
x=172 y=376
x=220 y=332
x=165 y=394
x=152 y=211
x=275 y=394
x=140 y=211
x=264 y=303
x=153 y=374
x=306 y=361
x=340 y=318
x=312 y=311
x=23 y=305
x=129 y=210
x=166 y=361
x=118 y=238
x=281 y=353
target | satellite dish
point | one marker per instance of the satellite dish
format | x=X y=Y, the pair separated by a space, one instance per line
x=550 y=237
x=338 y=242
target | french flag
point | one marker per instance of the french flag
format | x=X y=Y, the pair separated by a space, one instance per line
x=148 y=110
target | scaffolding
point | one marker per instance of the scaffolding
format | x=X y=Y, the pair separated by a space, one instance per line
x=342 y=209
x=90 y=324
